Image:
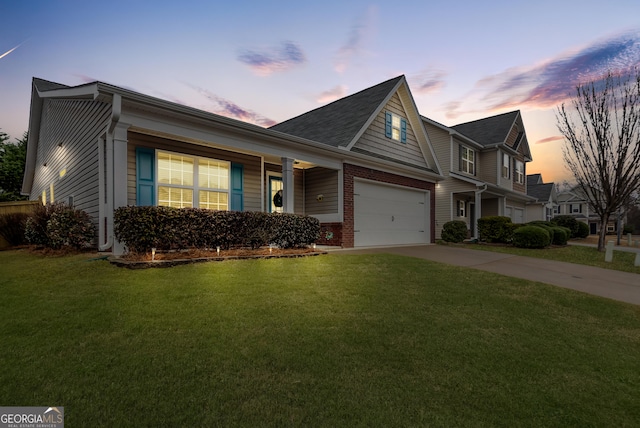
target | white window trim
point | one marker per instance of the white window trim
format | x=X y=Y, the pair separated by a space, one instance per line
x=196 y=187
x=506 y=166
x=519 y=174
x=462 y=208
x=470 y=164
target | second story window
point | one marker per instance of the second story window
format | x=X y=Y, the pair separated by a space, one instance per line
x=506 y=163
x=395 y=127
x=467 y=160
x=575 y=208
x=519 y=172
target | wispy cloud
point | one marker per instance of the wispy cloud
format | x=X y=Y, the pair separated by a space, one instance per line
x=227 y=108
x=550 y=139
x=554 y=81
x=11 y=50
x=356 y=39
x=332 y=94
x=427 y=81
x=281 y=58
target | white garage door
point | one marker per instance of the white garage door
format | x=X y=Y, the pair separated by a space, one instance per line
x=389 y=215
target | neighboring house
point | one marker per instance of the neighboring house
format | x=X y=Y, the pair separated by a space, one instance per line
x=484 y=163
x=572 y=201
x=546 y=199
x=363 y=165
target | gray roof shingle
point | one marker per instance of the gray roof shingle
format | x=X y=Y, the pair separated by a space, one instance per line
x=541 y=192
x=337 y=123
x=489 y=130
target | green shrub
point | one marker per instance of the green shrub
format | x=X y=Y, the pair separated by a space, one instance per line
x=560 y=235
x=546 y=225
x=628 y=228
x=12 y=227
x=495 y=229
x=531 y=237
x=454 y=231
x=143 y=228
x=58 y=225
x=567 y=221
x=583 y=230
x=36 y=231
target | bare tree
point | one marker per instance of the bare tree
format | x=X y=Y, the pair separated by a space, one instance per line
x=602 y=143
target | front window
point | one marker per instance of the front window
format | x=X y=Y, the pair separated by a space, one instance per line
x=188 y=181
x=519 y=172
x=467 y=160
x=506 y=161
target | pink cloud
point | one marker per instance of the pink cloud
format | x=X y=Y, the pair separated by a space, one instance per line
x=332 y=94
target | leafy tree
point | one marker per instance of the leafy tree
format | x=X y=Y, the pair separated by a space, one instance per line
x=12 y=162
x=602 y=142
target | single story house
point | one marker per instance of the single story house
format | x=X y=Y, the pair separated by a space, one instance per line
x=363 y=165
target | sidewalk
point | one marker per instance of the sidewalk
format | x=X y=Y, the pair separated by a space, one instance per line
x=612 y=284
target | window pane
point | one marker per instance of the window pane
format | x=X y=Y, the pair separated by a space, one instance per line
x=175 y=169
x=395 y=134
x=213 y=200
x=213 y=174
x=175 y=197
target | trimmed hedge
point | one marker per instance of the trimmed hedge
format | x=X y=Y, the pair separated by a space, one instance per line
x=496 y=229
x=569 y=222
x=12 y=227
x=583 y=230
x=165 y=228
x=560 y=235
x=454 y=231
x=59 y=225
x=546 y=225
x=531 y=237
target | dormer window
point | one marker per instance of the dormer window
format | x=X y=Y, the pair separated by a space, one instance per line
x=395 y=127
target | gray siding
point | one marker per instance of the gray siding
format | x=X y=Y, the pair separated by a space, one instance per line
x=489 y=166
x=77 y=126
x=252 y=192
x=321 y=181
x=374 y=140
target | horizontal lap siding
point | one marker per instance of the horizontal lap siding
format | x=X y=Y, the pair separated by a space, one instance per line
x=374 y=140
x=488 y=167
x=77 y=125
x=445 y=199
x=321 y=181
x=251 y=164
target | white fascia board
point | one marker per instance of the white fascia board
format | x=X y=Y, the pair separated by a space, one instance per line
x=89 y=91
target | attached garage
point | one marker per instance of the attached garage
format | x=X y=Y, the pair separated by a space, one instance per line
x=389 y=215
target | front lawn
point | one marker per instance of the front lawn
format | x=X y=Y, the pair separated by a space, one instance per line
x=335 y=340
x=622 y=260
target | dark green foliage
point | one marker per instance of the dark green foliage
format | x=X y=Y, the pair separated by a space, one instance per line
x=531 y=237
x=569 y=222
x=628 y=228
x=495 y=229
x=454 y=231
x=583 y=230
x=143 y=228
x=12 y=161
x=58 y=225
x=12 y=227
x=546 y=225
x=560 y=235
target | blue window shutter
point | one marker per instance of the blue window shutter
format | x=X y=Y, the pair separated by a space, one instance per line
x=403 y=130
x=237 y=200
x=387 y=125
x=145 y=176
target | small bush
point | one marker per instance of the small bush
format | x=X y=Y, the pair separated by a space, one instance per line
x=36 y=231
x=12 y=227
x=58 y=225
x=546 y=225
x=495 y=229
x=583 y=230
x=531 y=237
x=628 y=228
x=567 y=221
x=454 y=231
x=560 y=235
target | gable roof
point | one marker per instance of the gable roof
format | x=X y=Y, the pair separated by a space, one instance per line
x=337 y=124
x=533 y=179
x=489 y=131
x=542 y=192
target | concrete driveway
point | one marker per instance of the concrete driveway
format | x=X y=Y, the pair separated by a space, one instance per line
x=616 y=285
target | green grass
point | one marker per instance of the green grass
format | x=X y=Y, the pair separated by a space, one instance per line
x=335 y=340
x=622 y=260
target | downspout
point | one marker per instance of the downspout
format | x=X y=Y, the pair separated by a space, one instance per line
x=478 y=207
x=116 y=112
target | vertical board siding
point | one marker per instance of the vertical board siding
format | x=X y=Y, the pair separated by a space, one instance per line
x=77 y=126
x=321 y=181
x=374 y=141
x=251 y=164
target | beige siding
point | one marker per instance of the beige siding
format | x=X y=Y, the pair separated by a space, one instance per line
x=513 y=135
x=321 y=181
x=441 y=142
x=75 y=125
x=490 y=207
x=374 y=140
x=446 y=194
x=489 y=166
x=251 y=173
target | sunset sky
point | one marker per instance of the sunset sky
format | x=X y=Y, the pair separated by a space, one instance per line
x=264 y=62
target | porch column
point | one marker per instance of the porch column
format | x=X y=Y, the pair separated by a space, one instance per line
x=287 y=185
x=477 y=207
x=119 y=177
x=502 y=205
